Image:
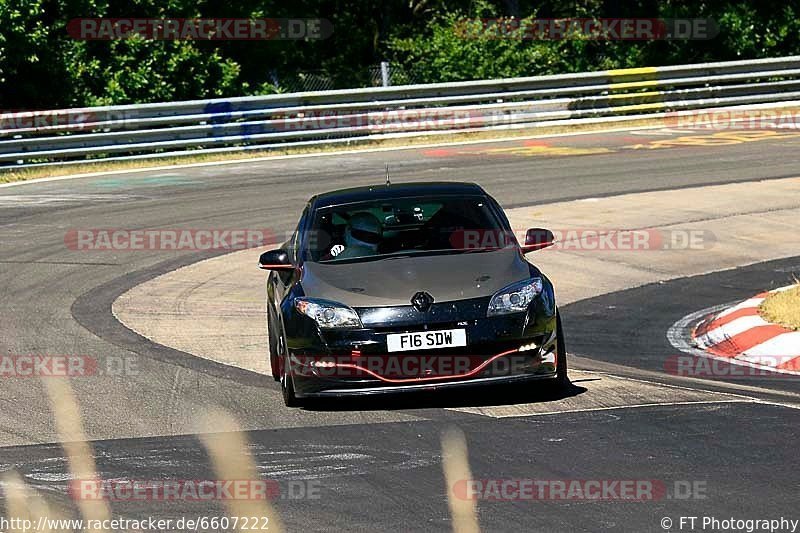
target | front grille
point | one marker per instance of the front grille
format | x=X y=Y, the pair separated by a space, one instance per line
x=439 y=314
x=413 y=328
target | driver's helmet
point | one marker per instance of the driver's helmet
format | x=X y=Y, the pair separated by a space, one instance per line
x=363 y=231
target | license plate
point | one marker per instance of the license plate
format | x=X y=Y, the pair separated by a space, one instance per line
x=422 y=340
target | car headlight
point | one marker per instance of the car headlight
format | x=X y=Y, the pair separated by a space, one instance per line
x=515 y=298
x=328 y=314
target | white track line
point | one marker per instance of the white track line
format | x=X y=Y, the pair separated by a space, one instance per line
x=618 y=407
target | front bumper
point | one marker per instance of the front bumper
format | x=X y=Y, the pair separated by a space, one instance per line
x=408 y=371
x=343 y=391
x=500 y=349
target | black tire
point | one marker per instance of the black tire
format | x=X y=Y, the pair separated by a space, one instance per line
x=287 y=385
x=273 y=348
x=562 y=379
x=559 y=385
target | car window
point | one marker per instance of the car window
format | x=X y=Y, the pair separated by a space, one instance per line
x=294 y=240
x=399 y=226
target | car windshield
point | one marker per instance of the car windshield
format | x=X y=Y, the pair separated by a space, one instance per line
x=404 y=226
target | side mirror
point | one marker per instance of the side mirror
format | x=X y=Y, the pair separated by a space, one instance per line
x=275 y=260
x=536 y=239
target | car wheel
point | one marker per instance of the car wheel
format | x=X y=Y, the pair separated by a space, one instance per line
x=562 y=379
x=287 y=384
x=560 y=383
x=273 y=349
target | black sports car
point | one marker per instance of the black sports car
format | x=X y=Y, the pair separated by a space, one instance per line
x=408 y=287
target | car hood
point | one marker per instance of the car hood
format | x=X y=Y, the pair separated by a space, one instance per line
x=394 y=281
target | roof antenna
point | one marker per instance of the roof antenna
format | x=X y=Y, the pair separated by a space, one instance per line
x=387 y=175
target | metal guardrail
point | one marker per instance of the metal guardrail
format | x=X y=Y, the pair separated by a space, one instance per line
x=169 y=129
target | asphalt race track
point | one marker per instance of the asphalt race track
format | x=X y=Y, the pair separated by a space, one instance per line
x=644 y=343
x=380 y=468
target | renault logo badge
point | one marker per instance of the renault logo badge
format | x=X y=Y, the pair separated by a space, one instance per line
x=422 y=301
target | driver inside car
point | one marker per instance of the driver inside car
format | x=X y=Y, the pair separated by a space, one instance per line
x=361 y=237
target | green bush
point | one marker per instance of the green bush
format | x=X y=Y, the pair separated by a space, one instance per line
x=41 y=66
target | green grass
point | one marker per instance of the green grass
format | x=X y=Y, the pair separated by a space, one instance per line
x=782 y=308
